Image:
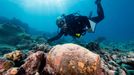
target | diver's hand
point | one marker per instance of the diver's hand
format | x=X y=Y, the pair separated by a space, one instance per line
x=97 y=1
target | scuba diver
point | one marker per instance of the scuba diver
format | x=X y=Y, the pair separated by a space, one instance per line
x=76 y=25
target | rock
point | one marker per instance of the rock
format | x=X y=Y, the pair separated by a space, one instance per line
x=24 y=44
x=48 y=70
x=17 y=57
x=30 y=52
x=122 y=72
x=130 y=54
x=21 y=71
x=111 y=72
x=34 y=63
x=5 y=65
x=10 y=30
x=41 y=39
x=18 y=22
x=130 y=72
x=14 y=56
x=126 y=66
x=93 y=46
x=107 y=57
x=113 y=63
x=72 y=59
x=42 y=47
x=114 y=57
x=116 y=49
x=100 y=39
x=12 y=71
x=129 y=61
x=111 y=67
x=5 y=49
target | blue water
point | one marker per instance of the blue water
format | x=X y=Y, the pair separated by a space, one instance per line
x=41 y=15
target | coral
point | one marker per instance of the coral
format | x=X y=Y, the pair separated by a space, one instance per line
x=10 y=29
x=12 y=71
x=117 y=63
x=5 y=65
x=67 y=59
x=42 y=47
x=118 y=45
x=34 y=63
x=14 y=56
x=40 y=39
x=5 y=49
x=24 y=36
x=24 y=44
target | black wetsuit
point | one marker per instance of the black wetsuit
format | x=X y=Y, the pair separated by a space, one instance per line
x=77 y=24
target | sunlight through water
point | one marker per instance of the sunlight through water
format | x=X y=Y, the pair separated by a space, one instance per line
x=40 y=5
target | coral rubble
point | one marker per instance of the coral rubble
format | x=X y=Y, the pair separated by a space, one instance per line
x=68 y=59
x=5 y=65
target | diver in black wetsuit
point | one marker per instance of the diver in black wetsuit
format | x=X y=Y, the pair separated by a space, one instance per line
x=76 y=25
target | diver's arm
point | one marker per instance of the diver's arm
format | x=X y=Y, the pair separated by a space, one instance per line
x=100 y=13
x=56 y=37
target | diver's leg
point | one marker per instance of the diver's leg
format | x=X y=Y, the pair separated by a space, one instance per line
x=100 y=12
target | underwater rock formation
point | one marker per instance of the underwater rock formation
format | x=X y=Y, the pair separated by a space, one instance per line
x=93 y=46
x=12 y=71
x=118 y=45
x=10 y=29
x=117 y=63
x=68 y=59
x=41 y=39
x=72 y=59
x=5 y=65
x=42 y=47
x=14 y=32
x=25 y=42
x=34 y=63
x=16 y=56
x=5 y=49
